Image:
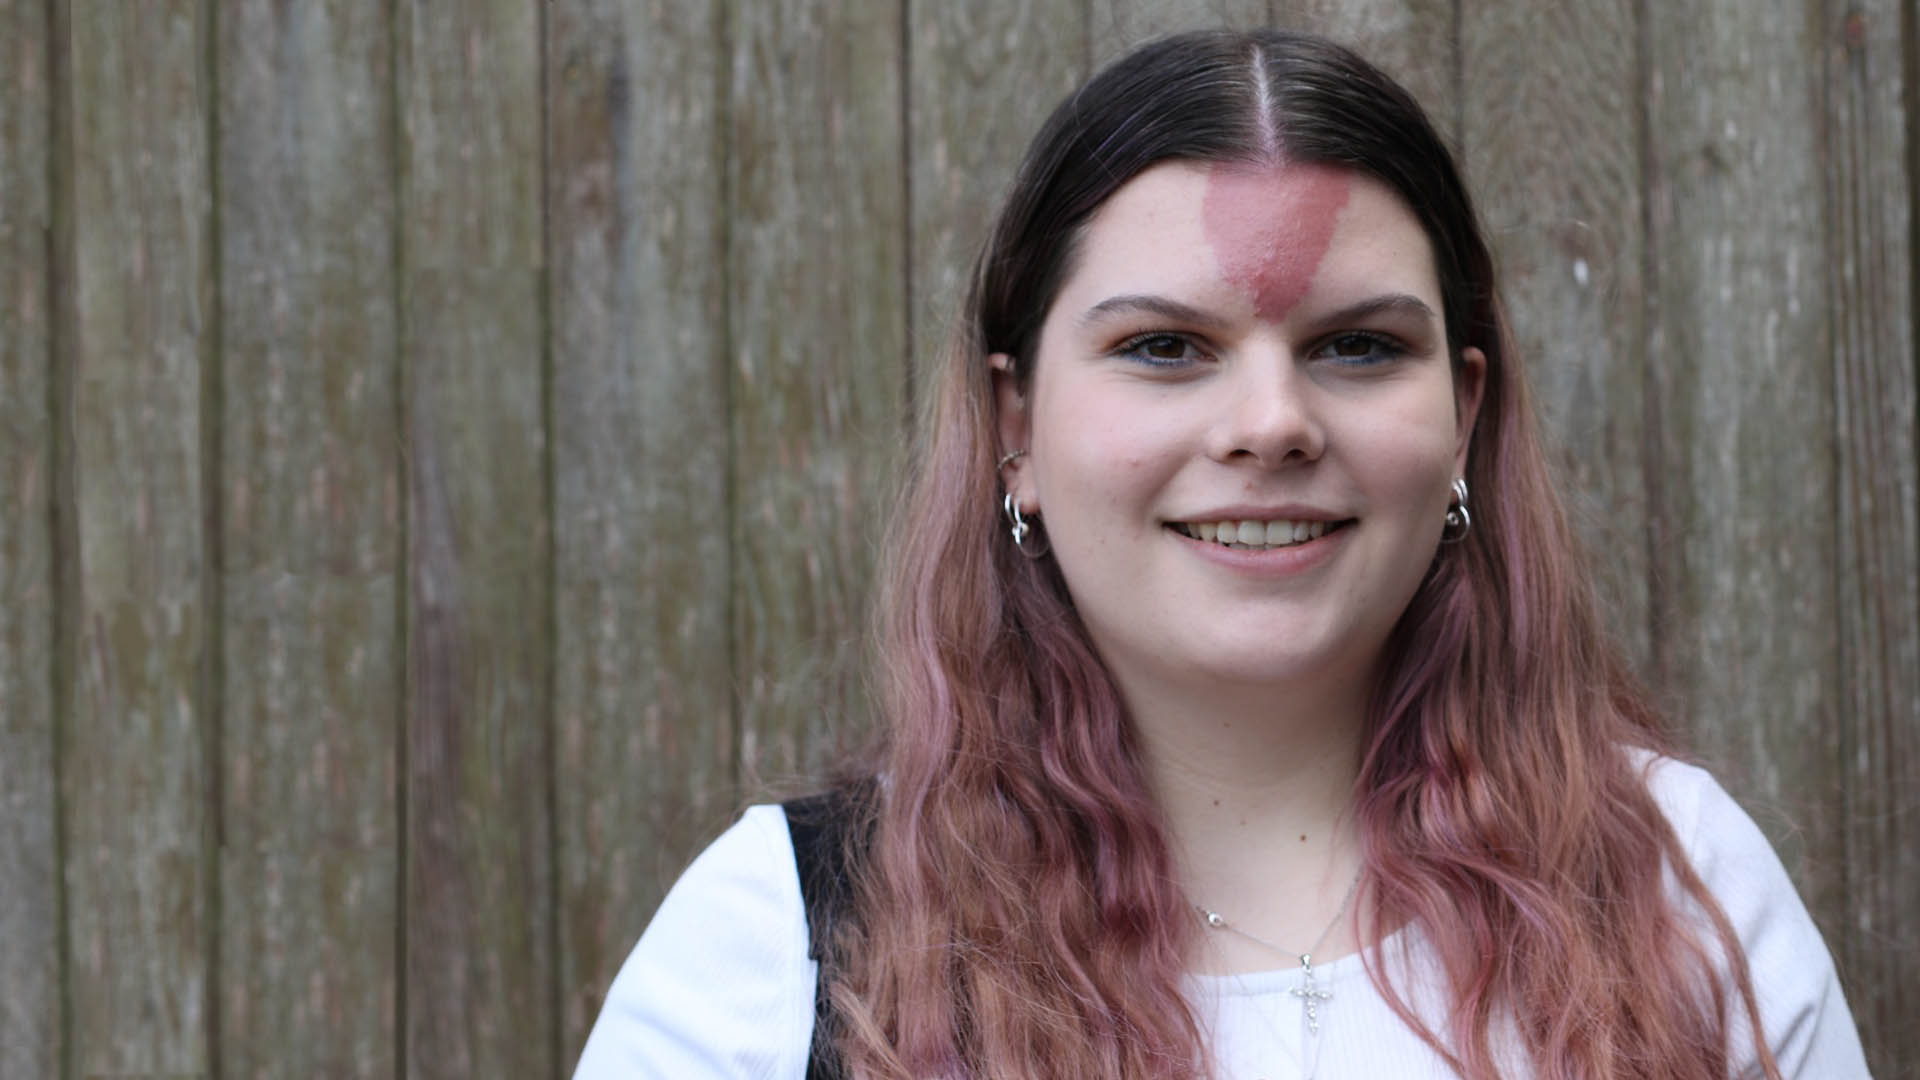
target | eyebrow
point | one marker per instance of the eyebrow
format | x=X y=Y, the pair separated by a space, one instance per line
x=1384 y=304
x=1135 y=303
x=1141 y=303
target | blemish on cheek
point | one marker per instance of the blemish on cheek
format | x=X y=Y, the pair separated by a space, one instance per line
x=1270 y=226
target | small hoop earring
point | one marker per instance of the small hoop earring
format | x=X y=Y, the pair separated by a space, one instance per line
x=1019 y=528
x=1008 y=458
x=1459 y=522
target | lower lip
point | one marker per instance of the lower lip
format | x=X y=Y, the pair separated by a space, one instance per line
x=1270 y=562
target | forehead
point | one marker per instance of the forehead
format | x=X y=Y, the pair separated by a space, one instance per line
x=1252 y=240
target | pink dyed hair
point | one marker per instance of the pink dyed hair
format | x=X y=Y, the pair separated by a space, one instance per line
x=1017 y=913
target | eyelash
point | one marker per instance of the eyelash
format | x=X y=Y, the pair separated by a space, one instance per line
x=1385 y=348
x=1131 y=349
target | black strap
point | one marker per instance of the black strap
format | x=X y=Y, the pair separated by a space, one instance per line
x=818 y=825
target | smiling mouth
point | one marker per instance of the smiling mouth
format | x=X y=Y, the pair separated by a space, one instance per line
x=1257 y=535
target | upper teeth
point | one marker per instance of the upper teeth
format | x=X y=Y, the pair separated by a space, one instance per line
x=1257 y=533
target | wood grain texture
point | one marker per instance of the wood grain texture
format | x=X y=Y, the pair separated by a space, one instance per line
x=643 y=686
x=134 y=741
x=1116 y=26
x=817 y=270
x=478 y=972
x=1740 y=421
x=983 y=78
x=1869 y=287
x=29 y=902
x=1552 y=153
x=310 y=521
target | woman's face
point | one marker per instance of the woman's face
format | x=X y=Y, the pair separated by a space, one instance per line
x=1242 y=423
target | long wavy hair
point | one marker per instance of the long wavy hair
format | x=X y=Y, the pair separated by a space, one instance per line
x=1015 y=906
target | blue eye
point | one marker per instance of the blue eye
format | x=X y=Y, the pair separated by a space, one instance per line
x=1160 y=349
x=1361 y=348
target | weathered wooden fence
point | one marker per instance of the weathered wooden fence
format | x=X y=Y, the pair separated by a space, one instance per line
x=441 y=449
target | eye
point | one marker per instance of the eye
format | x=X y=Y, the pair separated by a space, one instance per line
x=1361 y=348
x=1161 y=350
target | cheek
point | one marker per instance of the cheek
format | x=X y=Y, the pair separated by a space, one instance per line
x=1099 y=451
x=1410 y=454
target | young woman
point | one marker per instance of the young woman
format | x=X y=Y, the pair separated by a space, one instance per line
x=1247 y=711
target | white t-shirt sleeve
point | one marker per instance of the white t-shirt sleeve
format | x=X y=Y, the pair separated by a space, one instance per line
x=1802 y=1009
x=720 y=984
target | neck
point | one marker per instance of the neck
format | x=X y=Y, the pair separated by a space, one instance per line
x=1256 y=798
x=1230 y=767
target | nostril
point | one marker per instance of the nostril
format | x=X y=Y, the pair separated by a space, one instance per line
x=1291 y=454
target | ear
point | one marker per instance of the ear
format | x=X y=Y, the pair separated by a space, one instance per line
x=1013 y=427
x=1469 y=382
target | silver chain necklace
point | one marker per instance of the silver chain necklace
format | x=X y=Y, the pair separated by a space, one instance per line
x=1309 y=992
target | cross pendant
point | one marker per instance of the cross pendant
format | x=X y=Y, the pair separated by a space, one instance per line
x=1310 y=994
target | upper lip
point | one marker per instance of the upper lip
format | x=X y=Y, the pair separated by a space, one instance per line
x=1247 y=512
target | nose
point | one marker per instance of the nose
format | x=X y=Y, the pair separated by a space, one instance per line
x=1272 y=417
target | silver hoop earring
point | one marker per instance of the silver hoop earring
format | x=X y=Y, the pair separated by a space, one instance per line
x=1019 y=528
x=1459 y=522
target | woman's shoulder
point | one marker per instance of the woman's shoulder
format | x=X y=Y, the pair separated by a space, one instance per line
x=1723 y=843
x=720 y=983
x=1801 y=1005
x=1690 y=797
x=1727 y=850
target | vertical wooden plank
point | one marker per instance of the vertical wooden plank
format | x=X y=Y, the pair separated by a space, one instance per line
x=133 y=745
x=983 y=78
x=1552 y=154
x=1869 y=229
x=478 y=968
x=1116 y=26
x=817 y=269
x=643 y=688
x=30 y=913
x=311 y=541
x=1740 y=417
